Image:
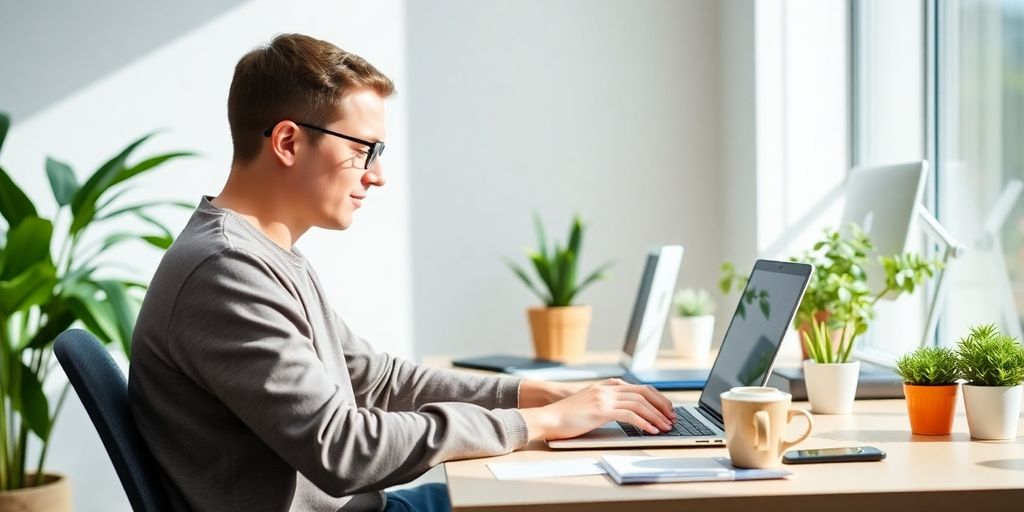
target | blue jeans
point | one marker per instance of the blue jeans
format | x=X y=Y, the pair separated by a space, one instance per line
x=425 y=498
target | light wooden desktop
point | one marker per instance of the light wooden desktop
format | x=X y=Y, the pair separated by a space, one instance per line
x=920 y=473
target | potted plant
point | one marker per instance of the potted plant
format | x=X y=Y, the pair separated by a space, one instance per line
x=930 y=386
x=992 y=363
x=559 y=328
x=43 y=292
x=692 y=323
x=838 y=307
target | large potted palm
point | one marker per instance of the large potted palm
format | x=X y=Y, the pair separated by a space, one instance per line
x=53 y=276
x=559 y=327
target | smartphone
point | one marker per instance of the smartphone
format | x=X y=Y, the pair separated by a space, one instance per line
x=851 y=454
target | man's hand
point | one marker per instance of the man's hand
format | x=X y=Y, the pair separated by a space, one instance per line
x=597 y=404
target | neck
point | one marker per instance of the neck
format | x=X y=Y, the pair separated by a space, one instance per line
x=250 y=193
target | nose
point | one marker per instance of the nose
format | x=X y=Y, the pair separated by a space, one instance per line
x=374 y=175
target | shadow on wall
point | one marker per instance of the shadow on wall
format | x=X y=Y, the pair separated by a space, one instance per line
x=97 y=39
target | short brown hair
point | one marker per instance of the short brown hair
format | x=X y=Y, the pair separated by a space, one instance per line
x=294 y=77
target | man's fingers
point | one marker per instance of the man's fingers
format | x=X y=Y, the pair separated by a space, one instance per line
x=659 y=400
x=653 y=396
x=627 y=416
x=638 y=405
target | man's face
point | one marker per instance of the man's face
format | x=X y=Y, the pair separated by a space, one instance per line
x=332 y=175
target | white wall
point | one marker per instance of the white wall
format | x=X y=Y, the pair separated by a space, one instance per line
x=605 y=108
x=181 y=86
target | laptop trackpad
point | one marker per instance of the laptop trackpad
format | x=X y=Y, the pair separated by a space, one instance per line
x=610 y=430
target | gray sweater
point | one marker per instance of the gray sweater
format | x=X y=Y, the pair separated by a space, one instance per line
x=254 y=395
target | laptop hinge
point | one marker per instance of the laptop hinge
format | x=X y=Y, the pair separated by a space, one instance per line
x=712 y=415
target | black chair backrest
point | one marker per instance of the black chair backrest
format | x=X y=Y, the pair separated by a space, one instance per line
x=104 y=392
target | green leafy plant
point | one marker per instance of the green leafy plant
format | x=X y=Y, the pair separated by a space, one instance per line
x=838 y=296
x=987 y=357
x=693 y=302
x=556 y=267
x=43 y=293
x=929 y=366
x=824 y=346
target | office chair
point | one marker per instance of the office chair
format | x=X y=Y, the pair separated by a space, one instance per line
x=104 y=393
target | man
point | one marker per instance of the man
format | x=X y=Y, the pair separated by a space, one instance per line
x=251 y=392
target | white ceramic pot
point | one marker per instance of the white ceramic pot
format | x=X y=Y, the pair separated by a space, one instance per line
x=831 y=387
x=692 y=335
x=993 y=411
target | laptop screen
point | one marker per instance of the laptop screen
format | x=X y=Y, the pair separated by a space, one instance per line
x=763 y=314
x=646 y=281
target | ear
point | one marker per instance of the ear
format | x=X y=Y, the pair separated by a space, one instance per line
x=284 y=142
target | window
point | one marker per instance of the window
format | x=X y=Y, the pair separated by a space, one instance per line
x=889 y=115
x=943 y=80
x=980 y=153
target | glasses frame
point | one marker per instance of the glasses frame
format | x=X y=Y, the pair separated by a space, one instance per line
x=376 y=148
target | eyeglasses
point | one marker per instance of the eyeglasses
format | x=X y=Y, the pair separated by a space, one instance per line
x=376 y=148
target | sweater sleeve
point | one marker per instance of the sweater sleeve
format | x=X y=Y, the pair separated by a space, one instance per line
x=239 y=331
x=392 y=383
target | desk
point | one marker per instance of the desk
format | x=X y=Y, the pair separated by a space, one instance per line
x=920 y=473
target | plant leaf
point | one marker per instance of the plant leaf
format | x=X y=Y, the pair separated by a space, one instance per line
x=544 y=271
x=147 y=164
x=5 y=125
x=121 y=310
x=153 y=222
x=34 y=408
x=142 y=206
x=28 y=243
x=93 y=314
x=83 y=205
x=527 y=281
x=62 y=181
x=542 y=239
x=158 y=241
x=31 y=287
x=593 y=277
x=575 y=236
x=56 y=323
x=14 y=204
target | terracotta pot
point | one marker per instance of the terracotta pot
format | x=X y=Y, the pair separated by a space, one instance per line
x=931 y=408
x=54 y=495
x=560 y=333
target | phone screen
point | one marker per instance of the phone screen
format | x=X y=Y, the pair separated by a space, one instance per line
x=851 y=454
x=831 y=452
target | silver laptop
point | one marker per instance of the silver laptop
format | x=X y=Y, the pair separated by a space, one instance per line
x=646 y=324
x=751 y=344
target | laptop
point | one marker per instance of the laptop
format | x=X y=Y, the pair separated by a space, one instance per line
x=643 y=335
x=751 y=344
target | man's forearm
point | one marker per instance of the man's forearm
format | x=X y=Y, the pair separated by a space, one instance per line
x=535 y=393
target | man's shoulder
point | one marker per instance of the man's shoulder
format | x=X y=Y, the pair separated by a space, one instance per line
x=216 y=240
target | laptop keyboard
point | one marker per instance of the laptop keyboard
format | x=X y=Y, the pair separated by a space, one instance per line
x=685 y=426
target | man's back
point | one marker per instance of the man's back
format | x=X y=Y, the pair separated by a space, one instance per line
x=240 y=383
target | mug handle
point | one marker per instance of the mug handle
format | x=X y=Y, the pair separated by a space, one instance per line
x=810 y=427
x=762 y=430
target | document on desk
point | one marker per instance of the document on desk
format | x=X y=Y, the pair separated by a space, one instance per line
x=545 y=469
x=633 y=469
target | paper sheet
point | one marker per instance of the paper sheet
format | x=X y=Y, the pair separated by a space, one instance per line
x=545 y=469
